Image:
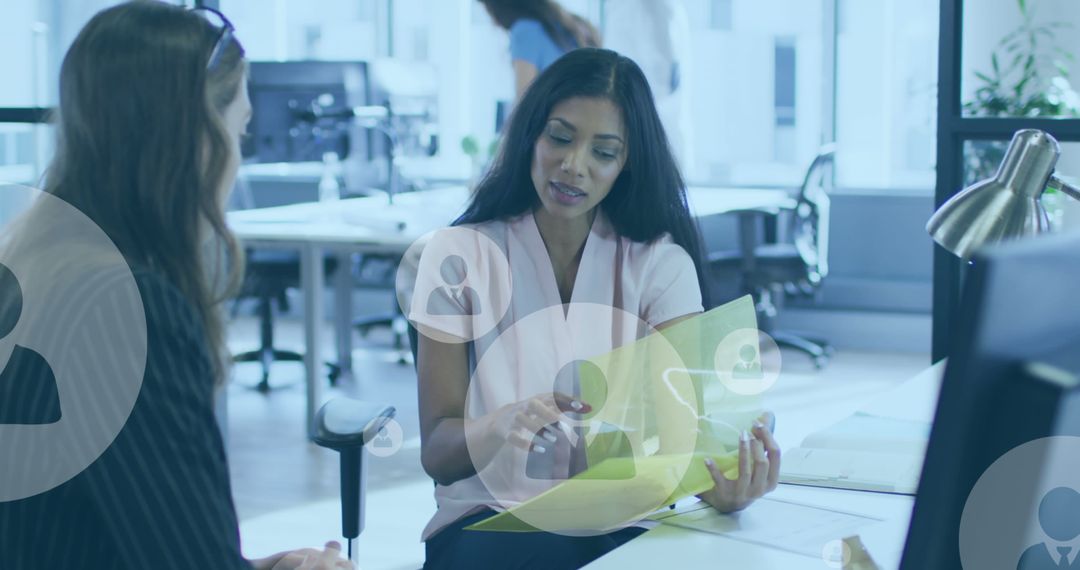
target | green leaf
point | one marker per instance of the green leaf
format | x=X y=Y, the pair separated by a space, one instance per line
x=1023 y=6
x=469 y=146
x=1012 y=35
x=1019 y=89
x=994 y=62
x=1016 y=61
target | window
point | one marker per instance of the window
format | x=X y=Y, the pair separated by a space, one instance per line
x=886 y=94
x=755 y=76
x=299 y=29
x=721 y=15
x=784 y=99
x=34 y=36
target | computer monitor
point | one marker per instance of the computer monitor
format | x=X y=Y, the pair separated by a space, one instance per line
x=1020 y=318
x=283 y=97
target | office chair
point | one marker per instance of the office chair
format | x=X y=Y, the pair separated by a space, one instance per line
x=346 y=426
x=795 y=267
x=379 y=272
x=269 y=275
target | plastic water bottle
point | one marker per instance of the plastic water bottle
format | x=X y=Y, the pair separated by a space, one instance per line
x=330 y=183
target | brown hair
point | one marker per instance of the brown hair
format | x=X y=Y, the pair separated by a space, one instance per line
x=142 y=149
x=568 y=30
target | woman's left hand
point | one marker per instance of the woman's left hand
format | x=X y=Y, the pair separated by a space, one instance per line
x=759 y=470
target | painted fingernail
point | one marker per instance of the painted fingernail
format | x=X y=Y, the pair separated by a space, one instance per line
x=758 y=424
x=710 y=462
x=576 y=405
x=549 y=436
x=744 y=437
x=539 y=449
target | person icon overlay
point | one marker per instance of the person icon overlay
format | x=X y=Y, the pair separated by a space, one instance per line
x=383 y=439
x=1059 y=517
x=589 y=440
x=748 y=367
x=28 y=390
x=455 y=298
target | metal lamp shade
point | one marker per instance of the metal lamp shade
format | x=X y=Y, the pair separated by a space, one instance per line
x=1004 y=207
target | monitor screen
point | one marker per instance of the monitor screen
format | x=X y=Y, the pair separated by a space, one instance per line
x=283 y=96
x=1018 y=308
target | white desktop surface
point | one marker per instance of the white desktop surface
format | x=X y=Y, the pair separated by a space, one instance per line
x=676 y=547
x=673 y=546
x=375 y=223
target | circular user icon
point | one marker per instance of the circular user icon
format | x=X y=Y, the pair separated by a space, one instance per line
x=1024 y=511
x=454 y=284
x=747 y=362
x=387 y=441
x=72 y=344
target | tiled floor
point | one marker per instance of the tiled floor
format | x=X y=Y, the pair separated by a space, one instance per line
x=286 y=488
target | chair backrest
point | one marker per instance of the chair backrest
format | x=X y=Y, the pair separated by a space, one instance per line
x=810 y=222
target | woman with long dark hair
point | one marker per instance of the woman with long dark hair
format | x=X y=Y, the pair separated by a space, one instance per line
x=153 y=101
x=540 y=31
x=587 y=205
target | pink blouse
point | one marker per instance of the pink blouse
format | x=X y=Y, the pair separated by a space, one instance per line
x=622 y=290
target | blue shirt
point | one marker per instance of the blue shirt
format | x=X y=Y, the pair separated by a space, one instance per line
x=530 y=42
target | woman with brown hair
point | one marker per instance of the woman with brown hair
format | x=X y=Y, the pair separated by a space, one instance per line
x=541 y=31
x=153 y=102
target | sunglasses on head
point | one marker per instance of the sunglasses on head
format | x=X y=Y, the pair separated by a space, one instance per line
x=225 y=33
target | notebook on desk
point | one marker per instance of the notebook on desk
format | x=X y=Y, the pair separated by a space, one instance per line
x=880 y=448
x=865 y=453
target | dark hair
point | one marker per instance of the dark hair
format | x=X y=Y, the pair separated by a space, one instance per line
x=568 y=31
x=142 y=149
x=648 y=198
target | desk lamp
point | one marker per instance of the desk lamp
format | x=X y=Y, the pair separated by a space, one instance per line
x=1006 y=206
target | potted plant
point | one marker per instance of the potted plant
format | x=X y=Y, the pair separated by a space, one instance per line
x=1028 y=77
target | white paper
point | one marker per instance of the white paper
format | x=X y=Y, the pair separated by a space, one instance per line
x=775 y=523
x=914 y=400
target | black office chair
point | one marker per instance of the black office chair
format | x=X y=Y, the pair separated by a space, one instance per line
x=269 y=275
x=379 y=272
x=795 y=267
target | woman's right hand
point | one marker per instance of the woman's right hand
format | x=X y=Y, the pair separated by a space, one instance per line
x=329 y=558
x=519 y=422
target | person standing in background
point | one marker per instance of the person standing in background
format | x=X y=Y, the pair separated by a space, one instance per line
x=541 y=31
x=656 y=35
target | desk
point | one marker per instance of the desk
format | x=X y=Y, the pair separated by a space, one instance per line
x=667 y=545
x=371 y=225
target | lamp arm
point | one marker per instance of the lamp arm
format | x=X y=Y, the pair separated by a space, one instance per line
x=1066 y=188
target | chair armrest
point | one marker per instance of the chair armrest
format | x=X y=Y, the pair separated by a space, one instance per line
x=345 y=423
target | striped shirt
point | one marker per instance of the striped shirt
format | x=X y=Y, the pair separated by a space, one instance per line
x=159 y=495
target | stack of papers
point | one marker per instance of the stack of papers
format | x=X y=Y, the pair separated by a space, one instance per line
x=879 y=448
x=774 y=523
